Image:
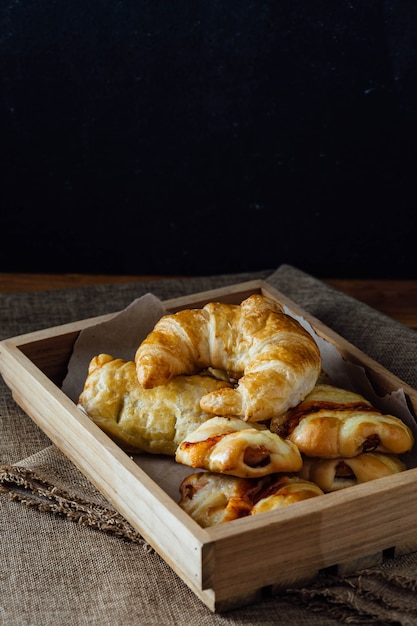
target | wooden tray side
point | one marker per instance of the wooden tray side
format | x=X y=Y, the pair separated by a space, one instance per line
x=142 y=502
x=288 y=544
x=51 y=349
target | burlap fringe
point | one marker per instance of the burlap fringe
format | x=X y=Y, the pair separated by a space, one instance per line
x=25 y=486
x=363 y=598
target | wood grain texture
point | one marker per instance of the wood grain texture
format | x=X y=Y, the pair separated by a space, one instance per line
x=11 y=283
x=395 y=298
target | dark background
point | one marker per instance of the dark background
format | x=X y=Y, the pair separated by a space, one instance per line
x=206 y=137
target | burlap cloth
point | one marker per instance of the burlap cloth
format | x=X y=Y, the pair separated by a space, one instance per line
x=98 y=570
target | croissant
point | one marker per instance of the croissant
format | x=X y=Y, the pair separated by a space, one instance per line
x=332 y=422
x=335 y=474
x=212 y=499
x=143 y=420
x=275 y=360
x=228 y=445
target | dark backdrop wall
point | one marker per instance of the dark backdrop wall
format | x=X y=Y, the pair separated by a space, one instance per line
x=203 y=137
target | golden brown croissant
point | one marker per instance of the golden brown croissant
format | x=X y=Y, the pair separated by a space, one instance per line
x=275 y=359
x=335 y=474
x=332 y=422
x=228 y=445
x=212 y=499
x=150 y=420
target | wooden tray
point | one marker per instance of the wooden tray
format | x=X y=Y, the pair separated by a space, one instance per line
x=238 y=562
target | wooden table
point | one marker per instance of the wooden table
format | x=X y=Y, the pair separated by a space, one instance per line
x=395 y=298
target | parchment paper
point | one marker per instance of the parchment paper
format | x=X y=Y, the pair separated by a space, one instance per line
x=120 y=336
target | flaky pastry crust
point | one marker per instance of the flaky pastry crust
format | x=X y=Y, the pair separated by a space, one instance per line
x=334 y=474
x=228 y=445
x=275 y=360
x=212 y=499
x=143 y=420
x=332 y=422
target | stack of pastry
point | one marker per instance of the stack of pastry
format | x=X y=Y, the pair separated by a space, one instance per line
x=341 y=440
x=233 y=390
x=344 y=440
x=249 y=469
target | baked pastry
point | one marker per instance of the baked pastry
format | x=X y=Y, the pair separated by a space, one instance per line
x=335 y=474
x=228 y=445
x=150 y=420
x=212 y=499
x=275 y=361
x=332 y=423
x=283 y=491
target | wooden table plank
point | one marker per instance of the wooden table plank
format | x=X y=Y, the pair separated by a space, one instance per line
x=11 y=283
x=395 y=298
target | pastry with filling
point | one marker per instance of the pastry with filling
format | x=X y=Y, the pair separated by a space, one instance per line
x=334 y=474
x=228 y=445
x=335 y=423
x=212 y=499
x=143 y=420
x=274 y=360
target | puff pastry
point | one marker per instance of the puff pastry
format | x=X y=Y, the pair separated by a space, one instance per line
x=150 y=420
x=332 y=422
x=335 y=474
x=212 y=499
x=228 y=445
x=275 y=360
